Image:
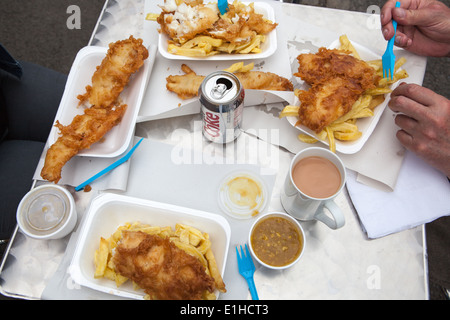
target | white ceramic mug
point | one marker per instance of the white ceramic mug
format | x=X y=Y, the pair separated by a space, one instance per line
x=306 y=208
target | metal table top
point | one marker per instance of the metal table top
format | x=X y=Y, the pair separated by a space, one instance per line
x=348 y=265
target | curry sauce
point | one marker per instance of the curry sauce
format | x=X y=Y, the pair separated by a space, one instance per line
x=276 y=241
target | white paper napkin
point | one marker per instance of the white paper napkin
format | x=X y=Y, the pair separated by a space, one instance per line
x=422 y=195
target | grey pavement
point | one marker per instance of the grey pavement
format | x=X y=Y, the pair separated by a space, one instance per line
x=36 y=31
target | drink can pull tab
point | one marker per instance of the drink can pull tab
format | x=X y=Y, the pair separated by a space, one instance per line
x=222 y=87
x=219 y=91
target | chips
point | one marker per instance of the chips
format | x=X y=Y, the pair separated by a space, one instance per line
x=187 y=238
x=346 y=45
x=240 y=67
x=345 y=128
x=209 y=44
x=151 y=16
x=205 y=46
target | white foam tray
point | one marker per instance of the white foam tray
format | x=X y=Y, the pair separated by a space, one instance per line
x=268 y=48
x=365 y=125
x=109 y=211
x=117 y=140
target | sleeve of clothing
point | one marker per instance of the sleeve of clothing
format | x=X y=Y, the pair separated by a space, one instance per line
x=3 y=121
x=32 y=101
x=8 y=63
x=28 y=105
x=18 y=161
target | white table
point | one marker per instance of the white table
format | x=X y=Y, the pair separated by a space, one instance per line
x=340 y=264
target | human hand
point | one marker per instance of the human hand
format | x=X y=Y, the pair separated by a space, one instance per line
x=424 y=120
x=423 y=26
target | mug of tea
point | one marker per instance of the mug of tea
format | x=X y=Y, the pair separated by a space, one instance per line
x=316 y=176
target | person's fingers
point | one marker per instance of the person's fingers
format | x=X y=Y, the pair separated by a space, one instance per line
x=386 y=16
x=402 y=40
x=408 y=107
x=417 y=17
x=386 y=12
x=386 y=19
x=405 y=139
x=406 y=123
x=412 y=100
x=415 y=92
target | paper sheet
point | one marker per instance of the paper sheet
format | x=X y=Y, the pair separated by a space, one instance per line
x=158 y=103
x=380 y=159
x=421 y=196
x=176 y=173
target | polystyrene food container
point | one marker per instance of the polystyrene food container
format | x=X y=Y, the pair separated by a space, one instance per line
x=117 y=140
x=109 y=211
x=365 y=125
x=268 y=48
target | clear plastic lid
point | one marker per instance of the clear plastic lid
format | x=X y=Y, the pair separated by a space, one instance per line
x=46 y=210
x=242 y=195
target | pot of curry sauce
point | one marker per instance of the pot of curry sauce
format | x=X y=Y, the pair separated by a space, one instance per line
x=277 y=240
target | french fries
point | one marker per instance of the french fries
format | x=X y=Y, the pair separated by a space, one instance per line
x=187 y=238
x=346 y=45
x=205 y=46
x=345 y=128
x=151 y=16
x=240 y=67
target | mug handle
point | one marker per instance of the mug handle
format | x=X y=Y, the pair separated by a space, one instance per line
x=338 y=220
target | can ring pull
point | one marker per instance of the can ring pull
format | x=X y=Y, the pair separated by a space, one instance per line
x=221 y=88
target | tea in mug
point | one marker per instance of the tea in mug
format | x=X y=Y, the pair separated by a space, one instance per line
x=317 y=177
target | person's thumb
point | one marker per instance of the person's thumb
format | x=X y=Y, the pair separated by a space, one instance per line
x=417 y=17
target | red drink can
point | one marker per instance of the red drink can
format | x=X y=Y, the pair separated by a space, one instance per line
x=222 y=103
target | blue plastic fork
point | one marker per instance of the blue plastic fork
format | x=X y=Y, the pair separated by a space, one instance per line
x=247 y=269
x=388 y=56
x=109 y=168
x=223 y=6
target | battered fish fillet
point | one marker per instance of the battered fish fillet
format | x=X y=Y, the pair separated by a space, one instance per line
x=162 y=270
x=123 y=59
x=337 y=81
x=259 y=80
x=330 y=63
x=326 y=102
x=239 y=24
x=110 y=78
x=186 y=22
x=186 y=86
x=84 y=130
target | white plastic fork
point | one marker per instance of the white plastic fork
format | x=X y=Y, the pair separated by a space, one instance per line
x=388 y=58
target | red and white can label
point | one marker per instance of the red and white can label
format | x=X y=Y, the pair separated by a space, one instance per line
x=222 y=127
